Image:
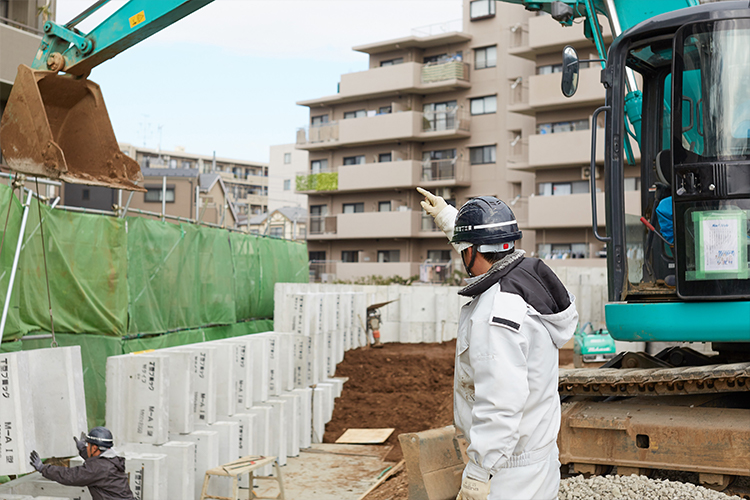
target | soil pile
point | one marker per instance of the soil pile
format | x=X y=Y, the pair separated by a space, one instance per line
x=404 y=386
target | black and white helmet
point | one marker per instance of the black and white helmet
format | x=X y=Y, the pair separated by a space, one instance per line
x=488 y=224
x=101 y=437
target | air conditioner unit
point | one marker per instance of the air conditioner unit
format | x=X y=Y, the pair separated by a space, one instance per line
x=585 y=173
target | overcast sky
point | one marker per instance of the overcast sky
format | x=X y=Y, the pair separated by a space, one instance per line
x=226 y=78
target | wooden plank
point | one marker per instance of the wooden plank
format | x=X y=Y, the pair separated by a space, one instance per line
x=383 y=478
x=365 y=436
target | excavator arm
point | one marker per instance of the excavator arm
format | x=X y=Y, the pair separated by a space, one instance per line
x=55 y=123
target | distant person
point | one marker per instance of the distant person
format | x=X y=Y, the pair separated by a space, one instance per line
x=103 y=472
x=505 y=398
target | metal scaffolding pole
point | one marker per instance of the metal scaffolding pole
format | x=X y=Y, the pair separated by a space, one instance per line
x=14 y=267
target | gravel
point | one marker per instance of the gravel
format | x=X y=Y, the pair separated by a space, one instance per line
x=634 y=488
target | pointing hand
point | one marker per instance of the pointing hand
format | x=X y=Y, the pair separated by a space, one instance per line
x=432 y=204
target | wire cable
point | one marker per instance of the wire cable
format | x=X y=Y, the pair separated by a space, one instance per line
x=7 y=217
x=46 y=274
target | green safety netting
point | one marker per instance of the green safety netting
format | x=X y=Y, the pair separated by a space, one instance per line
x=10 y=235
x=87 y=266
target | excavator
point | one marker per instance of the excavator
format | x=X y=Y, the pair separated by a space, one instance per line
x=677 y=82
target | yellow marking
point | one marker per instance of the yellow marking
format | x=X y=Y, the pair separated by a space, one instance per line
x=137 y=19
x=142 y=352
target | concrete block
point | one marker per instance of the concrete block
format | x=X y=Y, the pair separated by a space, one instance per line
x=180 y=464
x=301 y=360
x=115 y=382
x=305 y=416
x=39 y=487
x=329 y=392
x=338 y=385
x=243 y=376
x=229 y=440
x=318 y=357
x=274 y=363
x=359 y=306
x=204 y=383
x=318 y=414
x=148 y=475
x=206 y=454
x=17 y=429
x=246 y=430
x=181 y=393
x=286 y=363
x=261 y=441
x=292 y=423
x=59 y=404
x=225 y=385
x=345 y=318
x=330 y=356
x=280 y=422
x=259 y=365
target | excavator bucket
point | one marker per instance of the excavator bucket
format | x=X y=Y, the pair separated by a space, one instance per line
x=57 y=126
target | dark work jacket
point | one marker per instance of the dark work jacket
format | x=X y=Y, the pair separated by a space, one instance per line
x=104 y=476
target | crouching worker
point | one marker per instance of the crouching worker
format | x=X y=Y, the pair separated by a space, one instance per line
x=505 y=398
x=103 y=472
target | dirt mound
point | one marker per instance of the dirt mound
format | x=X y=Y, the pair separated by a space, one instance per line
x=404 y=386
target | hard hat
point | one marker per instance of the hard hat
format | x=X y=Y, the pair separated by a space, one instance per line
x=487 y=223
x=101 y=437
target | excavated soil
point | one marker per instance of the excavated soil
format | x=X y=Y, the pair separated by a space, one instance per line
x=404 y=386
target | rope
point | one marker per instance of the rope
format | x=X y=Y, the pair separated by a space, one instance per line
x=46 y=274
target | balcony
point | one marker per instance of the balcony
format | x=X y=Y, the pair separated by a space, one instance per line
x=368 y=225
x=402 y=174
x=348 y=271
x=566 y=149
x=321 y=227
x=308 y=183
x=573 y=210
x=450 y=172
x=545 y=93
x=546 y=35
x=383 y=128
x=19 y=45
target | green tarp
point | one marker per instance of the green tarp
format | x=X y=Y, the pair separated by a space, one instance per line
x=10 y=239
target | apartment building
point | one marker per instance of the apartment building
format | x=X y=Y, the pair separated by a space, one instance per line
x=246 y=181
x=285 y=161
x=20 y=36
x=432 y=110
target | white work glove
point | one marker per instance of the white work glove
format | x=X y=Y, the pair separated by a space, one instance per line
x=473 y=489
x=444 y=214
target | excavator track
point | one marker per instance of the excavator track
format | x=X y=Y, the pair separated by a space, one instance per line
x=708 y=379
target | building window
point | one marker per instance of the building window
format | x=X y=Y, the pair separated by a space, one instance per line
x=482 y=154
x=276 y=232
x=385 y=157
x=317 y=121
x=485 y=57
x=563 y=188
x=389 y=255
x=287 y=158
x=301 y=232
x=439 y=116
x=360 y=113
x=86 y=194
x=632 y=184
x=316 y=256
x=391 y=62
x=318 y=166
x=481 y=9
x=354 y=160
x=561 y=127
x=350 y=256
x=354 y=208
x=549 y=69
x=563 y=250
x=287 y=184
x=153 y=194
x=384 y=206
x=385 y=110
x=484 y=105
x=187 y=164
x=438 y=255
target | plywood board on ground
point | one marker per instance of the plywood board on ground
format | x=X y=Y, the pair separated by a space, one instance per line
x=365 y=436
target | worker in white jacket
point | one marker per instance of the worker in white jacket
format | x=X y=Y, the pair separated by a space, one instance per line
x=505 y=389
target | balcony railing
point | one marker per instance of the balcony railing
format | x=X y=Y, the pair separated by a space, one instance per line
x=318 y=133
x=322 y=224
x=441 y=71
x=438 y=29
x=21 y=26
x=450 y=119
x=439 y=170
x=322 y=181
x=428 y=224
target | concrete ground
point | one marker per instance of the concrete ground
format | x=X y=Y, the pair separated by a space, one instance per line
x=329 y=472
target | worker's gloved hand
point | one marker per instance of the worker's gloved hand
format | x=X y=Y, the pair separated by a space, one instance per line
x=473 y=489
x=444 y=214
x=80 y=443
x=36 y=462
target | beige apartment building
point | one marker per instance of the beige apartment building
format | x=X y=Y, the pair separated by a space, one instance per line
x=464 y=113
x=246 y=181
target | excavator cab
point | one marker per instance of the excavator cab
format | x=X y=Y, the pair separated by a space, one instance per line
x=677 y=250
x=57 y=126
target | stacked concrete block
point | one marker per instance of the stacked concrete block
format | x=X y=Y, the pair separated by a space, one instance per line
x=59 y=404
x=261 y=444
x=225 y=383
x=259 y=355
x=305 y=416
x=229 y=439
x=17 y=429
x=292 y=414
x=137 y=394
x=302 y=372
x=206 y=454
x=148 y=476
x=286 y=360
x=180 y=464
x=318 y=414
x=181 y=393
x=279 y=424
x=40 y=488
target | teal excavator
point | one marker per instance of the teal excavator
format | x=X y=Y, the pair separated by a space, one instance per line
x=677 y=82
